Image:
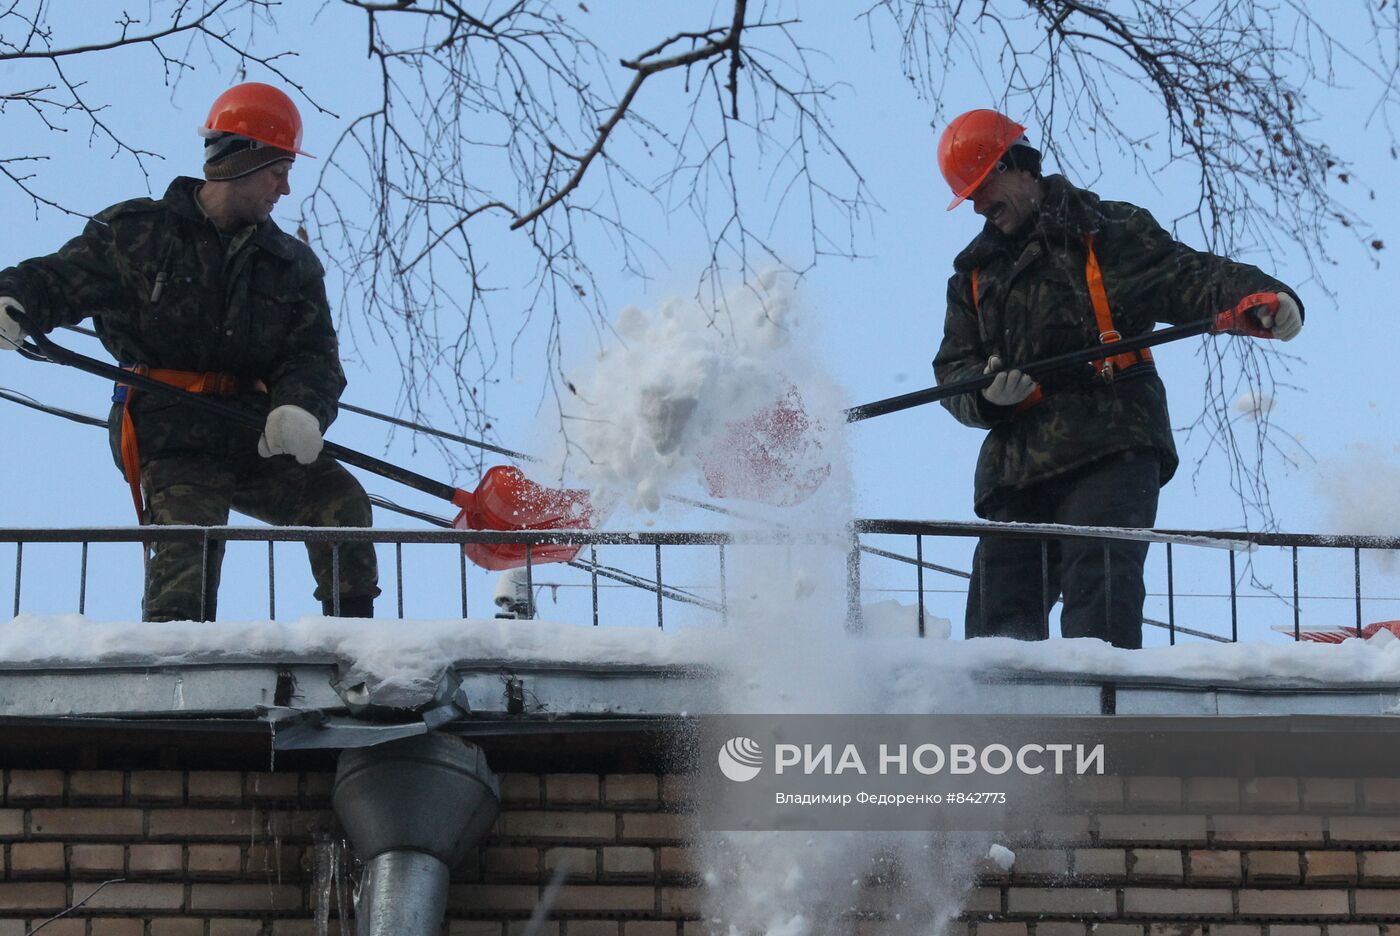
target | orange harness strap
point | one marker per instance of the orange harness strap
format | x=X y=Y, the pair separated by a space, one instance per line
x=1108 y=366
x=1103 y=316
x=211 y=382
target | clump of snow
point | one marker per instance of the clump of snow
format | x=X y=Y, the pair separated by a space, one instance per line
x=1382 y=637
x=1002 y=856
x=687 y=391
x=890 y=618
x=1254 y=404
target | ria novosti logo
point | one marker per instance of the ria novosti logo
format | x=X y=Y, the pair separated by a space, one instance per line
x=740 y=759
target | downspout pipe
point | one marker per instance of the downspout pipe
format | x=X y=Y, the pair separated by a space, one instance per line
x=412 y=808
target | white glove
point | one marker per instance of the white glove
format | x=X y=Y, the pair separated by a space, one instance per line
x=1007 y=388
x=10 y=332
x=292 y=431
x=1285 y=324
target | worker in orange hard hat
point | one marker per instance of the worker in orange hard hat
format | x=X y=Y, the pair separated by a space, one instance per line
x=1057 y=269
x=201 y=289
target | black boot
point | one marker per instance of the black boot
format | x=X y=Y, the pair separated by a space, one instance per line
x=351 y=606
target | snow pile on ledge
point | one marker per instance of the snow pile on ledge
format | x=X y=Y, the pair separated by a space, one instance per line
x=402 y=652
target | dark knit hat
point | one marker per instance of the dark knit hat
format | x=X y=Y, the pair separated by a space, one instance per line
x=230 y=156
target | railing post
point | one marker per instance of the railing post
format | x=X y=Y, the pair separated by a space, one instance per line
x=979 y=559
x=204 y=576
x=723 y=589
x=335 y=578
x=1171 y=600
x=272 y=585
x=462 y=567
x=82 y=581
x=19 y=567
x=593 y=578
x=1356 y=560
x=529 y=581
x=1234 y=603
x=854 y=621
x=658 y=585
x=1108 y=588
x=398 y=575
x=1297 y=610
x=1045 y=584
x=919 y=556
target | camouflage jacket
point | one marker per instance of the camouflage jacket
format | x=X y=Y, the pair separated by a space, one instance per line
x=1033 y=302
x=253 y=305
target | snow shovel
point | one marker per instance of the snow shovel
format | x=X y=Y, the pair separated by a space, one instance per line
x=504 y=500
x=1040 y=368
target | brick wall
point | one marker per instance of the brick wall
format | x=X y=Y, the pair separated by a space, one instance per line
x=1209 y=856
x=234 y=853
x=230 y=853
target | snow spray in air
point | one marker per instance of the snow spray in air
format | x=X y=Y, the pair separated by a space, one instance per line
x=730 y=398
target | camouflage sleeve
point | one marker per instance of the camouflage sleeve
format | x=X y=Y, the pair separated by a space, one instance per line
x=309 y=374
x=961 y=356
x=63 y=288
x=1157 y=276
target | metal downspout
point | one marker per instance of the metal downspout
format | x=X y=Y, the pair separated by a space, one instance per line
x=412 y=808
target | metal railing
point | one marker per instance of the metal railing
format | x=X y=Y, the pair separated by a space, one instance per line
x=1251 y=583
x=703 y=559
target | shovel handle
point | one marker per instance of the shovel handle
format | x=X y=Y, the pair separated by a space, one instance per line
x=1035 y=369
x=48 y=350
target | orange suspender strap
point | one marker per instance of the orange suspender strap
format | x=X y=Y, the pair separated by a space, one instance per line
x=131 y=457
x=1104 y=316
x=210 y=382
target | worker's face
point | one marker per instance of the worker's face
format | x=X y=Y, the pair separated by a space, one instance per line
x=255 y=194
x=1007 y=198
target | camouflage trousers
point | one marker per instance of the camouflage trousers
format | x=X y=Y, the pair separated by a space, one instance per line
x=200 y=490
x=1101 y=580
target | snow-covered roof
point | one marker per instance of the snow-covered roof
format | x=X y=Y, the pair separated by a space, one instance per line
x=67 y=665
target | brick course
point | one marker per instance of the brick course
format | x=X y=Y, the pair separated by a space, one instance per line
x=1139 y=828
x=92 y=860
x=86 y=823
x=96 y=786
x=157 y=786
x=571 y=788
x=1273 y=867
x=34 y=786
x=1220 y=866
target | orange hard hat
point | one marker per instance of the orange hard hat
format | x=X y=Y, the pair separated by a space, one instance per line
x=259 y=112
x=971 y=147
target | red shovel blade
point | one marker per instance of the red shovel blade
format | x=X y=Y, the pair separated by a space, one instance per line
x=507 y=500
x=771 y=457
x=1336 y=635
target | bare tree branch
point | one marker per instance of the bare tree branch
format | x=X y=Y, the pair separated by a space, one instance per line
x=499 y=135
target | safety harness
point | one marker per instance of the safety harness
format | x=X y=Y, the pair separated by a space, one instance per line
x=1104 y=368
x=212 y=383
